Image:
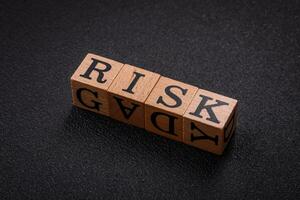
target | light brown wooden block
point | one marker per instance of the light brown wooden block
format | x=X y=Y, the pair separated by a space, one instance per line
x=210 y=121
x=128 y=93
x=165 y=106
x=91 y=81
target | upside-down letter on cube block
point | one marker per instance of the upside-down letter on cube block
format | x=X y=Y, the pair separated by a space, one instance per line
x=91 y=81
x=209 y=121
x=165 y=106
x=128 y=93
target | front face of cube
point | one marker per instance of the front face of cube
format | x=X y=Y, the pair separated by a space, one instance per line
x=127 y=110
x=90 y=98
x=90 y=83
x=202 y=136
x=163 y=123
x=209 y=121
x=165 y=106
x=128 y=93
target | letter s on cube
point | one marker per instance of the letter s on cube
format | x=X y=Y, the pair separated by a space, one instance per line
x=91 y=81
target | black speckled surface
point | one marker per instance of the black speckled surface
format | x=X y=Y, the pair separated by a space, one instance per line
x=248 y=51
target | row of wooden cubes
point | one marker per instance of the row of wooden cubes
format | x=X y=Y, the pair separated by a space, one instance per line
x=161 y=105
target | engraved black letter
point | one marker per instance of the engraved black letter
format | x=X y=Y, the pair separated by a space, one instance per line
x=100 y=71
x=127 y=112
x=212 y=117
x=203 y=136
x=79 y=97
x=178 y=101
x=133 y=83
x=171 y=128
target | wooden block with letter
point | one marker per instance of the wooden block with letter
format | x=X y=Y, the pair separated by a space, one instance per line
x=128 y=93
x=91 y=81
x=165 y=106
x=209 y=121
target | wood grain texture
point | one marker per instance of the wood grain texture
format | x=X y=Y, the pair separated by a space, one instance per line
x=128 y=93
x=165 y=106
x=209 y=121
x=91 y=81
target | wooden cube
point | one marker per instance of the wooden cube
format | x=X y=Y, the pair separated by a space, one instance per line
x=165 y=106
x=209 y=121
x=128 y=93
x=91 y=81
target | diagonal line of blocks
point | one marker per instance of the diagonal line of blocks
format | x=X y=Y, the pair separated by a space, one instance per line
x=160 y=105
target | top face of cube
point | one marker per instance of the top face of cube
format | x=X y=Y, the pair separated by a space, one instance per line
x=171 y=95
x=134 y=83
x=97 y=71
x=210 y=108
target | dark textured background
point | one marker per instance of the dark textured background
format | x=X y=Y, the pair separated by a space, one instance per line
x=248 y=51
